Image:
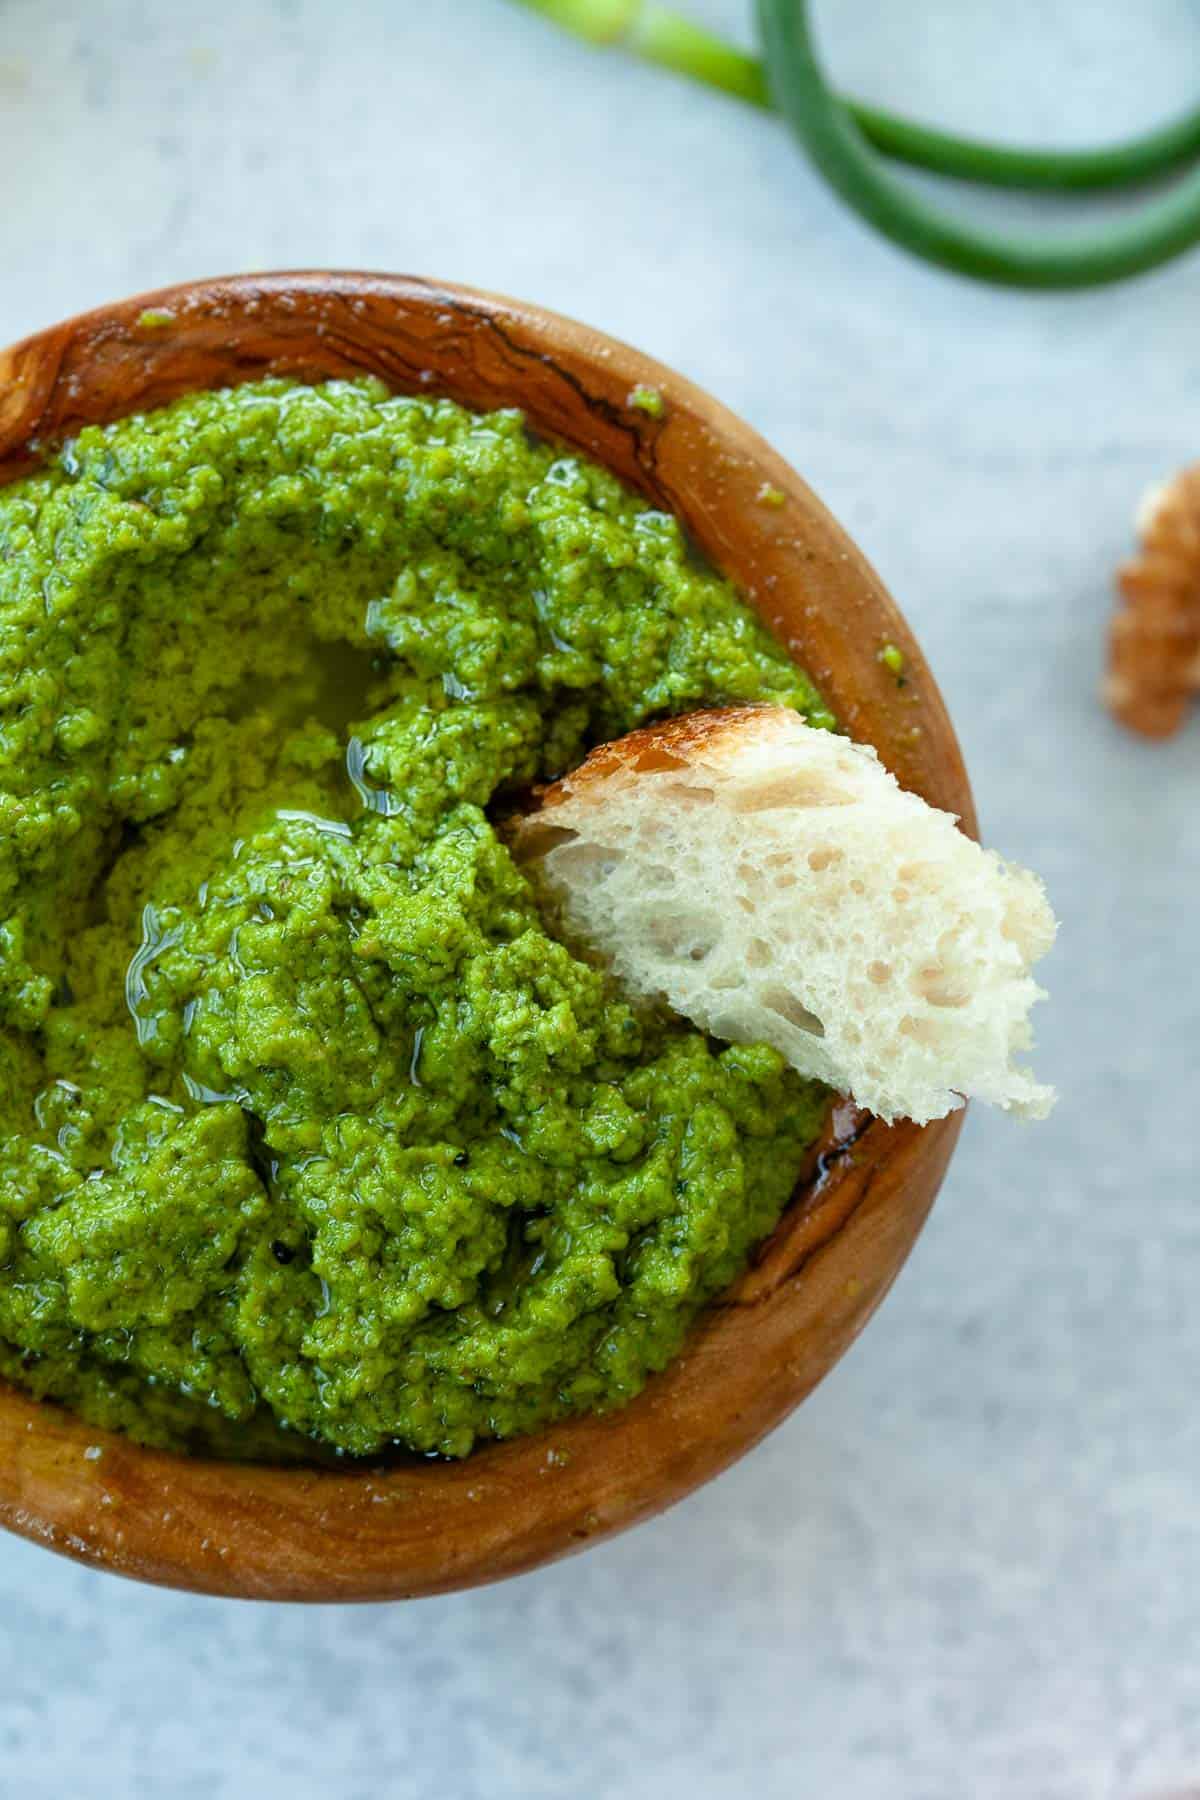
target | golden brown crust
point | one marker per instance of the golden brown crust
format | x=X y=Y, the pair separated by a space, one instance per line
x=668 y=744
x=1154 y=640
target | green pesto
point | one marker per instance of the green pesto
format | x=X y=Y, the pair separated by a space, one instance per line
x=649 y=401
x=309 y=1123
x=892 y=658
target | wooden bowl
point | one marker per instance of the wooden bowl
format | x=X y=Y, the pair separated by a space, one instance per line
x=423 y=1528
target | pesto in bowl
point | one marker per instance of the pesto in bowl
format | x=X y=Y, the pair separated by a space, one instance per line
x=308 y=1116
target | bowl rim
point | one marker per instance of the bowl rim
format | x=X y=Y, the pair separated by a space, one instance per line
x=369 y=1534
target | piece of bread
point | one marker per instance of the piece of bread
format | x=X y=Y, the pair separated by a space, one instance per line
x=774 y=884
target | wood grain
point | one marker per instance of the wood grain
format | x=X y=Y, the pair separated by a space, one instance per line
x=321 y=1534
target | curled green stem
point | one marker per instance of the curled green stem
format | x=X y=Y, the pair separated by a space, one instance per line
x=659 y=35
x=1162 y=229
x=1134 y=160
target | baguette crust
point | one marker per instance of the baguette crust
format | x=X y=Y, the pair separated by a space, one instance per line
x=773 y=883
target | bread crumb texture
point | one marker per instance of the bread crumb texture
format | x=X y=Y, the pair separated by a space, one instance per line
x=773 y=883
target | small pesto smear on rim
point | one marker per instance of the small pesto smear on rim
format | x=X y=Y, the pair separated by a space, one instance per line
x=892 y=658
x=311 y=1127
x=649 y=401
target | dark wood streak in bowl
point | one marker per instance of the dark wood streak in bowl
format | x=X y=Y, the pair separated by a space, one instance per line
x=320 y=1534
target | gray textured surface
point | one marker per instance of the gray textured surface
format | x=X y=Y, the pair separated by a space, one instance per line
x=971 y=1565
